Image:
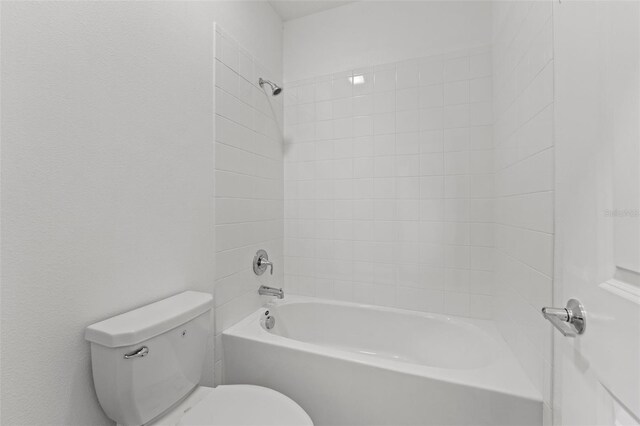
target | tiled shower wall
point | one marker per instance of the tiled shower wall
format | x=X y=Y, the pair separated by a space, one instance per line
x=523 y=94
x=389 y=185
x=248 y=184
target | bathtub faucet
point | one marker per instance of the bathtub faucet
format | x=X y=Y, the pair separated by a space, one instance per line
x=271 y=291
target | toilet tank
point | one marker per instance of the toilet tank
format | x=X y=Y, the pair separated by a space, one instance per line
x=146 y=360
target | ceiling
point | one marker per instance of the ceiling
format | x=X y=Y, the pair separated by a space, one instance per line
x=292 y=9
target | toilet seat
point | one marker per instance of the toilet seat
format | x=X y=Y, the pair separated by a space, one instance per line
x=235 y=405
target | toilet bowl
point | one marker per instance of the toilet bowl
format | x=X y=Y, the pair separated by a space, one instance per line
x=235 y=405
x=147 y=365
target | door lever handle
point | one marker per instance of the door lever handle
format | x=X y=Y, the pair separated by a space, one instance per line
x=571 y=321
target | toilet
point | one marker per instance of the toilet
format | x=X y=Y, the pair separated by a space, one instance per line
x=147 y=365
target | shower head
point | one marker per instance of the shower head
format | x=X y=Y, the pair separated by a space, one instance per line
x=275 y=89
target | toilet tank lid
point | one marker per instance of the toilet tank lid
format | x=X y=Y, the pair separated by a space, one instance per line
x=149 y=321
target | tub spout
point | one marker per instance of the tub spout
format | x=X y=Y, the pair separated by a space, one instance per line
x=271 y=291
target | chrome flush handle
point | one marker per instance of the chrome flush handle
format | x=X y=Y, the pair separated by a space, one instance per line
x=570 y=321
x=138 y=353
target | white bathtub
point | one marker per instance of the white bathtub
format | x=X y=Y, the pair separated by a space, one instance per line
x=350 y=364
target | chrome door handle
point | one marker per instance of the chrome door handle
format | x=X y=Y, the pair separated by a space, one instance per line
x=570 y=321
x=138 y=353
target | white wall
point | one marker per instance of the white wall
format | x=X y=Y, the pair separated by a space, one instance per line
x=249 y=183
x=523 y=133
x=388 y=184
x=107 y=178
x=378 y=32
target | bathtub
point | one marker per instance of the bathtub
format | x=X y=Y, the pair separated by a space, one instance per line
x=352 y=364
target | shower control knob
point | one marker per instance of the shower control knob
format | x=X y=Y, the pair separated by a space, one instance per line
x=261 y=262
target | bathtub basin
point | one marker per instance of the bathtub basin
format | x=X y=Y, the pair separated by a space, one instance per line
x=352 y=364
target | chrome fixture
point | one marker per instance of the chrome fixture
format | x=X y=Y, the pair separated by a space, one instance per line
x=275 y=89
x=271 y=291
x=269 y=321
x=138 y=353
x=570 y=321
x=261 y=261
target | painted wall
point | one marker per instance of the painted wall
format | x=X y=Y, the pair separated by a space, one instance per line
x=524 y=179
x=107 y=178
x=388 y=182
x=249 y=183
x=363 y=34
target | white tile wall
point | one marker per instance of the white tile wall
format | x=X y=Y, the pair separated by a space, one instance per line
x=376 y=32
x=389 y=185
x=248 y=184
x=524 y=182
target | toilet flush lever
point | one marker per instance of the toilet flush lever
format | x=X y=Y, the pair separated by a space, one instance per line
x=138 y=353
x=570 y=321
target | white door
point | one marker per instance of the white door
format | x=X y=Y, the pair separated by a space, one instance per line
x=597 y=119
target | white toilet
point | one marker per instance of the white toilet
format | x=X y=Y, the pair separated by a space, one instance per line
x=147 y=366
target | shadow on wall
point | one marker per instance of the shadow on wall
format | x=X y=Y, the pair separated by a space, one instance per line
x=273 y=106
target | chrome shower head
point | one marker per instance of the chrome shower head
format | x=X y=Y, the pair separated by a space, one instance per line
x=275 y=89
